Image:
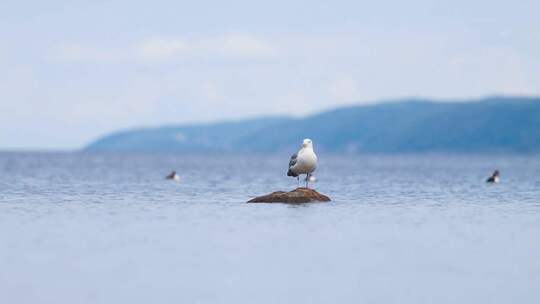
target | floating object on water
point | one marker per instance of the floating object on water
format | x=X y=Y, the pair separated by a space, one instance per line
x=173 y=176
x=303 y=162
x=494 y=178
x=312 y=179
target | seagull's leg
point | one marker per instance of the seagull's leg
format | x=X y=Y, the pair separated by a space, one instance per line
x=307 y=180
x=298 y=180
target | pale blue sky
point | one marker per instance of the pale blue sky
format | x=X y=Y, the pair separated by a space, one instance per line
x=73 y=70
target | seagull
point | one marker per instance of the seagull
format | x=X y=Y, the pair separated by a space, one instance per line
x=494 y=178
x=173 y=176
x=303 y=162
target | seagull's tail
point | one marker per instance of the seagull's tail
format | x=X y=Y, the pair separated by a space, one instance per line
x=290 y=173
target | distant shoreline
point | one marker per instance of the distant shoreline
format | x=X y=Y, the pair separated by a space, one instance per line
x=489 y=125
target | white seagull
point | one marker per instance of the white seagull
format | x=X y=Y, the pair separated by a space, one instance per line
x=303 y=162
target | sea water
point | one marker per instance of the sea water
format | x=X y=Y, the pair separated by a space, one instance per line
x=108 y=228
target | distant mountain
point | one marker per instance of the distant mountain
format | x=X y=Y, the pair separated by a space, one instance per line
x=498 y=124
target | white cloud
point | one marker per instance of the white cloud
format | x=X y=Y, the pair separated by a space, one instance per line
x=228 y=45
x=160 y=48
x=244 y=45
x=164 y=49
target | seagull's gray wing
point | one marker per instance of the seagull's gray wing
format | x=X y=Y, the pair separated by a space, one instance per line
x=292 y=162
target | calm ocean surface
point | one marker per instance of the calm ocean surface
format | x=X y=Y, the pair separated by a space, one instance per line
x=106 y=228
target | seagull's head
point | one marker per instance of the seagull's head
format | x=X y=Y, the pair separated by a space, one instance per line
x=307 y=143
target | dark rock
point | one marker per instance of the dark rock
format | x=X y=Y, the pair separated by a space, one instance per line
x=298 y=195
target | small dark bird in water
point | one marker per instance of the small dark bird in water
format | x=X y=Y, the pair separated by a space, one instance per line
x=494 y=178
x=173 y=176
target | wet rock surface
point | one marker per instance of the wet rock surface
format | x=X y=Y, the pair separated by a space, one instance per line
x=297 y=196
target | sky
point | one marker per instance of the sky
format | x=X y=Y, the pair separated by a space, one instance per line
x=71 y=71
